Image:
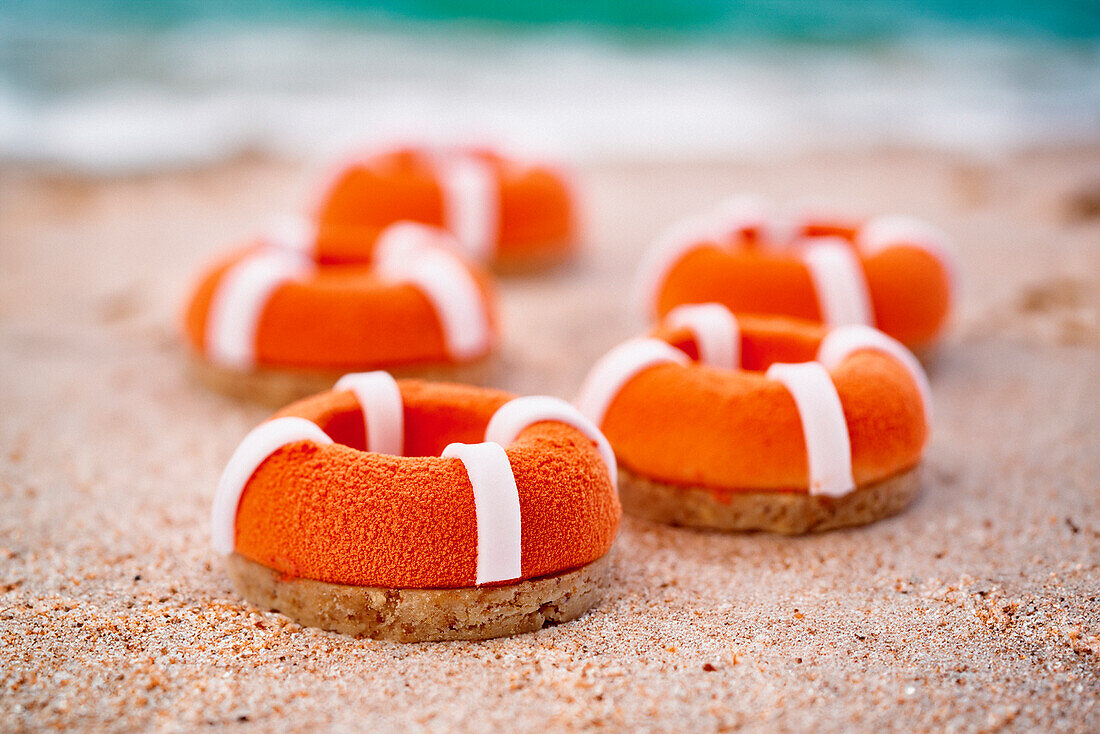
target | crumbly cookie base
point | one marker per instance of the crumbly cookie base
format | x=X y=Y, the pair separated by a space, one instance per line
x=277 y=387
x=786 y=513
x=418 y=615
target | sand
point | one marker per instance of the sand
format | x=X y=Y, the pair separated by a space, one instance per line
x=976 y=609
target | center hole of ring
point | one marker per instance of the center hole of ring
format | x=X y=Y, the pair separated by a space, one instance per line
x=435 y=415
x=764 y=341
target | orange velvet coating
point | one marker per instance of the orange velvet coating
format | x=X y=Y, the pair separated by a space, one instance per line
x=537 y=217
x=340 y=514
x=342 y=318
x=909 y=287
x=735 y=430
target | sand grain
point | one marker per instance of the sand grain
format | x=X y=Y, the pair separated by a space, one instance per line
x=976 y=609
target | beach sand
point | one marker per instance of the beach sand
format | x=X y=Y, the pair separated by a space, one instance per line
x=977 y=609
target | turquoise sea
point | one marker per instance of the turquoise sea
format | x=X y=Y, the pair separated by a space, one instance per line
x=115 y=86
x=790 y=20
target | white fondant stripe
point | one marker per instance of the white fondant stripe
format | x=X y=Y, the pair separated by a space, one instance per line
x=471 y=202
x=411 y=253
x=496 y=504
x=298 y=234
x=828 y=446
x=746 y=211
x=839 y=343
x=383 y=410
x=616 y=368
x=884 y=232
x=716 y=332
x=515 y=415
x=239 y=299
x=403 y=240
x=839 y=282
x=260 y=443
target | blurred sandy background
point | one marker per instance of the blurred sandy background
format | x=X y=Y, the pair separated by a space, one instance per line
x=976 y=610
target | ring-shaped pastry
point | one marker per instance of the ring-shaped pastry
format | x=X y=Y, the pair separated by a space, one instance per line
x=761 y=423
x=893 y=273
x=270 y=323
x=508 y=214
x=413 y=510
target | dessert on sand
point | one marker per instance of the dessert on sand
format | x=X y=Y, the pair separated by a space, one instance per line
x=973 y=609
x=758 y=423
x=270 y=324
x=420 y=511
x=890 y=272
x=511 y=215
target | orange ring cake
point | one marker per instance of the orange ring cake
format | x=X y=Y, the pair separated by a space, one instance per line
x=506 y=213
x=890 y=272
x=761 y=423
x=411 y=510
x=270 y=323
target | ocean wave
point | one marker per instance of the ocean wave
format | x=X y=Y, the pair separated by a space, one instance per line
x=120 y=102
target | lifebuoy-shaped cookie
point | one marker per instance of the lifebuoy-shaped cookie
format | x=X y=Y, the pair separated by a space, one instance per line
x=414 y=510
x=503 y=212
x=272 y=312
x=892 y=273
x=761 y=423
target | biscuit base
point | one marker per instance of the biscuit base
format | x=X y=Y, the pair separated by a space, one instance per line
x=419 y=615
x=786 y=513
x=277 y=387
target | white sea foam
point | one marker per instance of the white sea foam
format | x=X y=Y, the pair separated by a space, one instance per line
x=201 y=95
